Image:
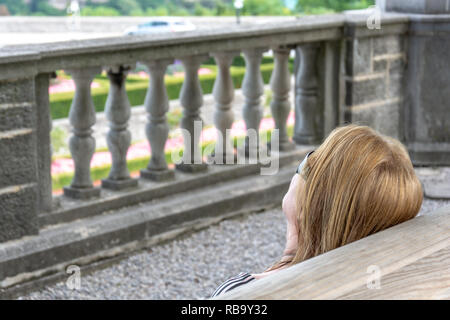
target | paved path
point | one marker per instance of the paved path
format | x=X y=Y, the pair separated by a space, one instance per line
x=192 y=267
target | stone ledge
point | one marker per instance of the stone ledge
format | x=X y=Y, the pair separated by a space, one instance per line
x=439 y=191
x=436 y=157
x=391 y=23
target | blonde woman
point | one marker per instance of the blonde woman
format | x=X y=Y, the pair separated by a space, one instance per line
x=358 y=182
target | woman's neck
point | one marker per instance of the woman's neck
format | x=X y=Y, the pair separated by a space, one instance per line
x=290 y=249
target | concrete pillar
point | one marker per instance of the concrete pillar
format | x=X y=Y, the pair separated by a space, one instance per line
x=280 y=83
x=381 y=4
x=82 y=144
x=191 y=98
x=306 y=129
x=157 y=129
x=426 y=110
x=19 y=191
x=223 y=93
x=44 y=152
x=118 y=113
x=418 y=6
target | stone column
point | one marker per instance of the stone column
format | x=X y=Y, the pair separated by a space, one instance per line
x=157 y=129
x=418 y=6
x=82 y=144
x=306 y=102
x=253 y=89
x=280 y=83
x=223 y=93
x=44 y=152
x=20 y=187
x=191 y=99
x=118 y=113
x=423 y=84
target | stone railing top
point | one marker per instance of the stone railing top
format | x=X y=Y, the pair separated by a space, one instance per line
x=144 y=41
x=129 y=49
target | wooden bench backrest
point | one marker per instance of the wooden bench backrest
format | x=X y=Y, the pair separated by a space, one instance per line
x=413 y=259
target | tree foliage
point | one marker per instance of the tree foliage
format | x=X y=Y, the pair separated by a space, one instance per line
x=263 y=7
x=185 y=7
x=313 y=6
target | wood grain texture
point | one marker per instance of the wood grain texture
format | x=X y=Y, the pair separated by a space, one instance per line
x=427 y=278
x=413 y=258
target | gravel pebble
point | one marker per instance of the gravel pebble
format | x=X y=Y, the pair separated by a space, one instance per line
x=191 y=267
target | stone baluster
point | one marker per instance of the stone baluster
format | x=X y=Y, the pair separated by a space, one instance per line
x=306 y=101
x=118 y=113
x=157 y=129
x=191 y=98
x=223 y=93
x=82 y=144
x=253 y=89
x=280 y=83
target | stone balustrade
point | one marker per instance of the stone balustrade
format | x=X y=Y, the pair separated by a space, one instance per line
x=324 y=65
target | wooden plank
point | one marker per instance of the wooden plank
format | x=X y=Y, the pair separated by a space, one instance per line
x=344 y=270
x=427 y=278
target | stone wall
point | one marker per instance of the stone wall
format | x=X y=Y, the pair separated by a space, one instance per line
x=418 y=6
x=374 y=78
x=18 y=169
x=427 y=104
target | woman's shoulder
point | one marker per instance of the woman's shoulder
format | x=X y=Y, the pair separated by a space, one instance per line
x=232 y=283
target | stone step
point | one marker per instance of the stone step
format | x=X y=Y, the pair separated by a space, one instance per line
x=103 y=236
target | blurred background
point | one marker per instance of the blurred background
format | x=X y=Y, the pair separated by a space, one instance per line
x=176 y=7
x=37 y=21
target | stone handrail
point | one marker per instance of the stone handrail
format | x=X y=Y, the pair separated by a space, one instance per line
x=407 y=261
x=25 y=124
x=122 y=50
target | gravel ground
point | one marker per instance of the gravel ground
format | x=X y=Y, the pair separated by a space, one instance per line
x=193 y=266
x=187 y=268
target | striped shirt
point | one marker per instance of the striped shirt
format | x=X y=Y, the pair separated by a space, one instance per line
x=234 y=282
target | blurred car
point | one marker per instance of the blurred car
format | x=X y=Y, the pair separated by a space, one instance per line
x=159 y=26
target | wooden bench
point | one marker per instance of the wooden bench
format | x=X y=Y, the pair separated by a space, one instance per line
x=412 y=258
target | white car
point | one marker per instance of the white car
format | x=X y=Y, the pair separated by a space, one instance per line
x=161 y=25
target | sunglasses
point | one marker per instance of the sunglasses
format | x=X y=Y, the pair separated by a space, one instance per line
x=301 y=166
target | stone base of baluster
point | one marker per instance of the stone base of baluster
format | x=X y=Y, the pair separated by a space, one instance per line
x=192 y=167
x=81 y=193
x=219 y=159
x=283 y=146
x=117 y=185
x=308 y=140
x=157 y=175
x=247 y=156
x=253 y=152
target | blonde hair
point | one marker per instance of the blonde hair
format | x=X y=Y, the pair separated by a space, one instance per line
x=357 y=182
